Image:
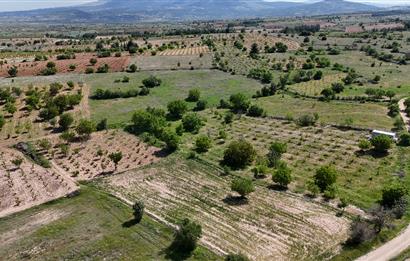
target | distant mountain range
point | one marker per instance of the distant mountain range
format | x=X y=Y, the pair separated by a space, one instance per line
x=128 y=11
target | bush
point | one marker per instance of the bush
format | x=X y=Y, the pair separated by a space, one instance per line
x=192 y=122
x=276 y=150
x=392 y=194
x=306 y=120
x=151 y=82
x=85 y=128
x=229 y=117
x=89 y=70
x=103 y=68
x=65 y=121
x=256 y=111
x=282 y=176
x=138 y=211
x=360 y=232
x=381 y=143
x=236 y=257
x=150 y=120
x=364 y=144
x=193 y=95
x=202 y=143
x=404 y=139
x=177 y=109
x=171 y=139
x=239 y=103
x=201 y=105
x=13 y=71
x=325 y=177
x=187 y=236
x=239 y=154
x=102 y=125
x=243 y=186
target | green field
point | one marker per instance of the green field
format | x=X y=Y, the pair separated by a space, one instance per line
x=91 y=226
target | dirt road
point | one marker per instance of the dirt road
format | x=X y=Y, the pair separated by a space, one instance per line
x=406 y=119
x=391 y=249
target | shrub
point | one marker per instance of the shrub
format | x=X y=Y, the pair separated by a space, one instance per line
x=306 y=120
x=393 y=193
x=193 y=95
x=187 y=236
x=85 y=128
x=243 y=186
x=177 y=108
x=102 y=125
x=201 y=105
x=103 y=68
x=192 y=122
x=229 y=117
x=404 y=139
x=325 y=177
x=138 y=211
x=89 y=70
x=151 y=82
x=282 y=176
x=171 y=139
x=256 y=111
x=2 y=121
x=115 y=157
x=13 y=71
x=381 y=143
x=338 y=87
x=202 y=143
x=239 y=103
x=276 y=150
x=236 y=257
x=364 y=144
x=239 y=154
x=65 y=121
x=360 y=231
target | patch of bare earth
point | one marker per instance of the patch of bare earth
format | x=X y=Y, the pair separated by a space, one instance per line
x=272 y=225
x=29 y=184
x=89 y=159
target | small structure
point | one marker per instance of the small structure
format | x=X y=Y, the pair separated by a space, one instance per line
x=392 y=135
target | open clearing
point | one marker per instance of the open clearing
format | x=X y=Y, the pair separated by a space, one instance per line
x=89 y=226
x=28 y=185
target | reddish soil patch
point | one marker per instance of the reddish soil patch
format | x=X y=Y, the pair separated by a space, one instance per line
x=82 y=61
x=29 y=185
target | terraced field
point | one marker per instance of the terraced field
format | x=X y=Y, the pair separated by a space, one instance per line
x=281 y=225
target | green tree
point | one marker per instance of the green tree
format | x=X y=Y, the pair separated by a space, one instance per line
x=243 y=186
x=325 y=177
x=193 y=95
x=239 y=154
x=239 y=103
x=102 y=125
x=404 y=139
x=202 y=143
x=187 y=236
x=171 y=139
x=65 y=121
x=138 y=211
x=85 y=128
x=381 y=143
x=115 y=157
x=151 y=82
x=177 y=109
x=192 y=122
x=393 y=193
x=282 y=176
x=276 y=150
x=13 y=71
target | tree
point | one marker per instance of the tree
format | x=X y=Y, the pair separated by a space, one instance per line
x=360 y=231
x=192 y=122
x=338 y=87
x=116 y=157
x=93 y=61
x=254 y=52
x=193 y=95
x=276 y=150
x=381 y=143
x=239 y=103
x=328 y=93
x=202 y=143
x=392 y=193
x=201 y=105
x=65 y=121
x=151 y=82
x=85 y=128
x=138 y=211
x=404 y=139
x=243 y=186
x=150 y=120
x=171 y=139
x=187 y=236
x=282 y=176
x=256 y=111
x=13 y=71
x=239 y=154
x=177 y=108
x=102 y=125
x=325 y=177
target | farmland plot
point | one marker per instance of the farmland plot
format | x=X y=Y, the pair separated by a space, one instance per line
x=281 y=226
x=172 y=62
x=185 y=51
x=89 y=159
x=27 y=185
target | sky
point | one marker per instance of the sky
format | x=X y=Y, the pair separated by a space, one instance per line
x=15 y=5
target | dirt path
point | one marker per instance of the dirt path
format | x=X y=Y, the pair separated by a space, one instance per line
x=403 y=114
x=391 y=249
x=84 y=108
